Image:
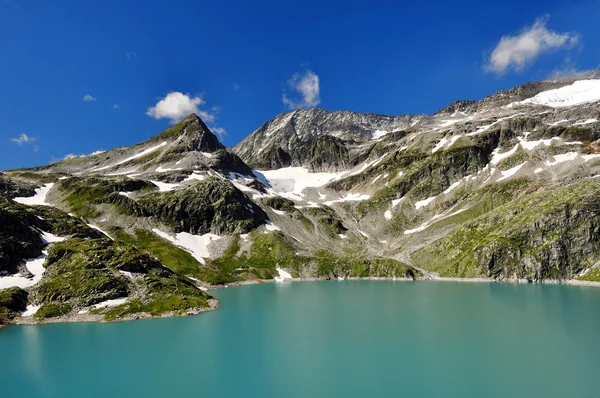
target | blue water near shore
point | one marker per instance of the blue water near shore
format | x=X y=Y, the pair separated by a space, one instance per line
x=327 y=339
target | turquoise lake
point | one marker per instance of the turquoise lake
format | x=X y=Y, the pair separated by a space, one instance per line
x=327 y=339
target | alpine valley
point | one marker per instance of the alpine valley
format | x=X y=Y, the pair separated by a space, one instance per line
x=505 y=188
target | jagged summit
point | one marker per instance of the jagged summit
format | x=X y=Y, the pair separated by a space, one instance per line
x=299 y=137
x=193 y=135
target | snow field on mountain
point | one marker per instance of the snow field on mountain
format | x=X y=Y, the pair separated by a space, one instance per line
x=580 y=92
x=197 y=245
x=39 y=198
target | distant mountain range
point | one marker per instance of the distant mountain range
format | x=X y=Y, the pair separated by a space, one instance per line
x=506 y=187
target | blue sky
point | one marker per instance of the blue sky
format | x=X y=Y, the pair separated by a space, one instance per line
x=80 y=76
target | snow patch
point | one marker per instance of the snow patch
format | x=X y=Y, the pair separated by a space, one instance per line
x=425 y=202
x=34 y=265
x=589 y=121
x=580 y=92
x=448 y=123
x=387 y=215
x=497 y=157
x=161 y=169
x=564 y=157
x=283 y=275
x=39 y=198
x=197 y=245
x=194 y=176
x=270 y=227
x=396 y=202
x=111 y=303
x=439 y=145
x=31 y=310
x=351 y=197
x=378 y=134
x=136 y=156
x=510 y=172
x=127 y=274
x=163 y=186
x=434 y=219
x=97 y=228
x=293 y=180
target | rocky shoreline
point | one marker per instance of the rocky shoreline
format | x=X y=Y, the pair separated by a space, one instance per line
x=29 y=320
x=570 y=282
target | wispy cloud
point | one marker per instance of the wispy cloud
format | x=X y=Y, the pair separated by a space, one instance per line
x=518 y=51
x=302 y=90
x=88 y=98
x=130 y=54
x=568 y=69
x=23 y=139
x=220 y=131
x=116 y=106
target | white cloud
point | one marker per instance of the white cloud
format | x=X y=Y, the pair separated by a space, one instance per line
x=302 y=90
x=88 y=98
x=116 y=106
x=23 y=138
x=130 y=55
x=175 y=106
x=521 y=50
x=72 y=155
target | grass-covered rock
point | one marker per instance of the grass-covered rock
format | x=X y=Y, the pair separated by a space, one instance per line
x=81 y=273
x=20 y=228
x=82 y=194
x=279 y=203
x=545 y=232
x=12 y=301
x=171 y=256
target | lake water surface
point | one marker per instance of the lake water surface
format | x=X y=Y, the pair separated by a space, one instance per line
x=327 y=339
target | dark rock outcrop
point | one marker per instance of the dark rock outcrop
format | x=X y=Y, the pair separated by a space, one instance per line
x=212 y=205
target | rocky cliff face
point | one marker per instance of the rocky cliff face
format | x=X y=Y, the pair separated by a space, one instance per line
x=505 y=187
x=297 y=138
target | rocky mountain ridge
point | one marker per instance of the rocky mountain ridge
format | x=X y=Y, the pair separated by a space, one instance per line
x=504 y=188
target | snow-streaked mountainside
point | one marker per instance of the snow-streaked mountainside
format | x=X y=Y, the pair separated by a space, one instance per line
x=506 y=187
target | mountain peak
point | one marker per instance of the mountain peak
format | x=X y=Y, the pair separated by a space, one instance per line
x=192 y=134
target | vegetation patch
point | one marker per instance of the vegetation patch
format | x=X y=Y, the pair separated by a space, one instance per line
x=169 y=255
x=542 y=233
x=279 y=203
x=592 y=276
x=81 y=273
